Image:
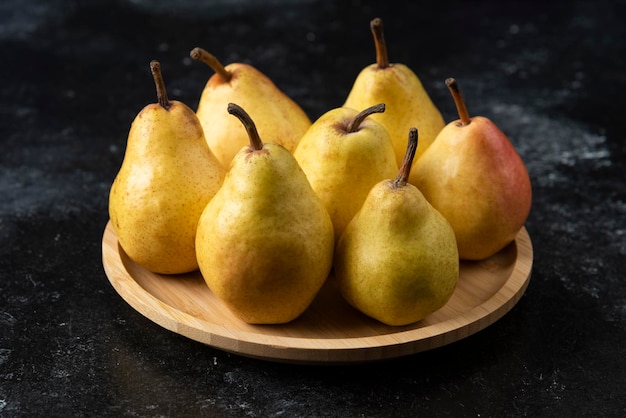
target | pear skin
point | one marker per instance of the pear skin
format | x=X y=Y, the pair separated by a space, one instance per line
x=397 y=260
x=265 y=241
x=276 y=115
x=474 y=176
x=343 y=154
x=167 y=177
x=407 y=102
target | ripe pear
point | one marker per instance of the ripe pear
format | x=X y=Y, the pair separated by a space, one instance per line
x=474 y=176
x=265 y=241
x=396 y=85
x=397 y=260
x=343 y=154
x=276 y=115
x=167 y=177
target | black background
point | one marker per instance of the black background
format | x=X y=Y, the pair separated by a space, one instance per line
x=74 y=74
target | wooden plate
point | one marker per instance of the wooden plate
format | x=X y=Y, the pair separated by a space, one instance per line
x=330 y=331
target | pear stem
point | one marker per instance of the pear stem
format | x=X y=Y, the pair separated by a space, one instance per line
x=255 y=140
x=382 y=58
x=155 y=68
x=405 y=168
x=209 y=59
x=356 y=122
x=458 y=101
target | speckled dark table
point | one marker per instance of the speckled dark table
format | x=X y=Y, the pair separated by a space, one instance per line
x=74 y=74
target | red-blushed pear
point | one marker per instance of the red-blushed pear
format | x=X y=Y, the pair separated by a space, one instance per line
x=397 y=260
x=474 y=176
x=343 y=154
x=398 y=87
x=277 y=116
x=167 y=177
x=265 y=241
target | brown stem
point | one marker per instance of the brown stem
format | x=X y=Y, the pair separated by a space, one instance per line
x=382 y=58
x=355 y=123
x=458 y=101
x=405 y=168
x=255 y=140
x=155 y=68
x=209 y=59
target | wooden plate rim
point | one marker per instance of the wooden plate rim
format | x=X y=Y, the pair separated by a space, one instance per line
x=329 y=350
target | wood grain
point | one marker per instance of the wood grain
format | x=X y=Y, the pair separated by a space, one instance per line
x=330 y=331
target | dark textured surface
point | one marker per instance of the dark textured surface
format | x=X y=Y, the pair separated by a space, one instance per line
x=74 y=74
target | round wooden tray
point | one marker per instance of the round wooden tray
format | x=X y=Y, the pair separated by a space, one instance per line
x=330 y=331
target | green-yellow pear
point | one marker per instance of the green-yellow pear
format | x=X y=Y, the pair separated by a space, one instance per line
x=265 y=241
x=396 y=85
x=343 y=154
x=167 y=177
x=397 y=260
x=474 y=176
x=276 y=115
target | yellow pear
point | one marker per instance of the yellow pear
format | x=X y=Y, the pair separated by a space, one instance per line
x=474 y=176
x=397 y=260
x=265 y=242
x=277 y=116
x=167 y=177
x=396 y=85
x=343 y=154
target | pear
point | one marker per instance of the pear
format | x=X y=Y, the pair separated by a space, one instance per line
x=167 y=177
x=343 y=154
x=265 y=241
x=474 y=176
x=397 y=260
x=396 y=85
x=277 y=116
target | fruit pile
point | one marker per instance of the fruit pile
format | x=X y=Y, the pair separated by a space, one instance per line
x=266 y=203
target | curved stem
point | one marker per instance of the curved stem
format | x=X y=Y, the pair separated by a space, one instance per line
x=382 y=59
x=458 y=101
x=355 y=123
x=209 y=59
x=255 y=140
x=405 y=168
x=155 y=68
